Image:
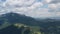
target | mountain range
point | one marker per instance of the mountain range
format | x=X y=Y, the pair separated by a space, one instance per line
x=46 y=25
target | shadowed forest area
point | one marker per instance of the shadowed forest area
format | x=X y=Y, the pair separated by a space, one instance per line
x=33 y=26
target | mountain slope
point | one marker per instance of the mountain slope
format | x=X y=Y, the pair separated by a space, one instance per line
x=17 y=18
x=47 y=26
x=17 y=29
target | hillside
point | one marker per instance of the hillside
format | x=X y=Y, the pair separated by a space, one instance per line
x=20 y=29
x=46 y=26
x=17 y=18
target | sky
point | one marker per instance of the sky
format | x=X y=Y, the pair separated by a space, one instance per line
x=32 y=8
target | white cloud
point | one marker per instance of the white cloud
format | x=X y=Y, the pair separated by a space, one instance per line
x=31 y=8
x=20 y=2
x=57 y=14
x=48 y=1
x=36 y=5
x=41 y=13
x=52 y=6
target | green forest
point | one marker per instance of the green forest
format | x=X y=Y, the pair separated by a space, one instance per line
x=13 y=23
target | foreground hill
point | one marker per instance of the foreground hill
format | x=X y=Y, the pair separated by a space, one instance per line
x=19 y=29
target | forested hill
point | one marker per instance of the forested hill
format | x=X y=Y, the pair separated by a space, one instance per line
x=47 y=26
x=17 y=18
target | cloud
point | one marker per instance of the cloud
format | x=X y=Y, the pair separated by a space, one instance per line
x=1 y=1
x=42 y=12
x=48 y=1
x=52 y=6
x=36 y=5
x=55 y=1
x=33 y=8
x=20 y=2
